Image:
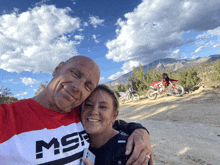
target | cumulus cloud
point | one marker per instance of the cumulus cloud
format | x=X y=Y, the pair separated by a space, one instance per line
x=79 y=38
x=199 y=49
x=21 y=94
x=28 y=81
x=73 y=2
x=41 y=2
x=127 y=67
x=155 y=28
x=194 y=57
x=216 y=46
x=95 y=21
x=175 y=54
x=95 y=38
x=190 y=40
x=101 y=80
x=36 y=40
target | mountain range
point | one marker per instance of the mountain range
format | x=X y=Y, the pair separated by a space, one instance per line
x=168 y=63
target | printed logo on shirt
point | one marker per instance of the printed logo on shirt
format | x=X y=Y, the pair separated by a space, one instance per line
x=74 y=138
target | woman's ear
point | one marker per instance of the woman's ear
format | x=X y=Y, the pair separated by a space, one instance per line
x=115 y=115
x=57 y=68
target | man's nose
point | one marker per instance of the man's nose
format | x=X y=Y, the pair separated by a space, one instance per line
x=78 y=85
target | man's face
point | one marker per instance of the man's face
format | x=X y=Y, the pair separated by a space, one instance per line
x=73 y=82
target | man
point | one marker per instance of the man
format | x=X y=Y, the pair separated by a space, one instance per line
x=47 y=128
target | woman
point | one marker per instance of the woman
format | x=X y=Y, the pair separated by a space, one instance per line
x=98 y=114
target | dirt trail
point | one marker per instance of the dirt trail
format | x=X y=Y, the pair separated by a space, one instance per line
x=183 y=130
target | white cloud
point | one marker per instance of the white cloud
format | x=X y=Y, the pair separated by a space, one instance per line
x=41 y=2
x=10 y=80
x=85 y=24
x=21 y=94
x=194 y=56
x=95 y=38
x=28 y=81
x=73 y=2
x=4 y=80
x=95 y=21
x=127 y=67
x=175 y=54
x=156 y=27
x=36 y=40
x=216 y=46
x=79 y=37
x=116 y=75
x=101 y=80
x=199 y=49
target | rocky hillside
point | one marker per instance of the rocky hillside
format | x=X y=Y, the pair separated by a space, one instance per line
x=176 y=65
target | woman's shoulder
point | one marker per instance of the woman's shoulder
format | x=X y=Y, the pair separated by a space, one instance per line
x=120 y=148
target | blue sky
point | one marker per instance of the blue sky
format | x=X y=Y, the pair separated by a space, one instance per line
x=35 y=36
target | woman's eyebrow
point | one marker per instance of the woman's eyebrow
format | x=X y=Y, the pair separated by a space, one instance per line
x=103 y=102
x=88 y=101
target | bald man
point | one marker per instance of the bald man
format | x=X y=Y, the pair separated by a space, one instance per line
x=46 y=129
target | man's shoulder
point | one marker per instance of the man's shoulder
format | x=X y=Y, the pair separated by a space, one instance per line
x=19 y=102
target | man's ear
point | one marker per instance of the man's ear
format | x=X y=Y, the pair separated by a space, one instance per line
x=57 y=68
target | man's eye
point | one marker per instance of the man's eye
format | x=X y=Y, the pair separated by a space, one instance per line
x=88 y=87
x=74 y=73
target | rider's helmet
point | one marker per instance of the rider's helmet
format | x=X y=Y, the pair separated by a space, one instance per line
x=165 y=77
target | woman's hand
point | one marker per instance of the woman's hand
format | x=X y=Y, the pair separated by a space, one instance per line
x=87 y=161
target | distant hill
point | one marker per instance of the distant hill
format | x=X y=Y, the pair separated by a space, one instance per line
x=168 y=63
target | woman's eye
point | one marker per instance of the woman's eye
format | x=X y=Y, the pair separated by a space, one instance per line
x=88 y=105
x=103 y=107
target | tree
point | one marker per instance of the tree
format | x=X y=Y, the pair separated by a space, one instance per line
x=192 y=79
x=216 y=75
x=5 y=91
x=121 y=88
x=188 y=78
x=6 y=96
x=41 y=87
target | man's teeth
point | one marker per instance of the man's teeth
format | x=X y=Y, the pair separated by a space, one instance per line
x=92 y=120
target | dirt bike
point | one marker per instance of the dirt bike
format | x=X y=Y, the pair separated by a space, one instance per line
x=162 y=86
x=130 y=93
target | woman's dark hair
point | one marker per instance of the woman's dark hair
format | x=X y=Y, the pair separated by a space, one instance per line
x=108 y=90
x=111 y=92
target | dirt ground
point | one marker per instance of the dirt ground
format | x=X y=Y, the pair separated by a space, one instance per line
x=184 y=130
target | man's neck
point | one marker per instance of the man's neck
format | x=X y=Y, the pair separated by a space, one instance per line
x=43 y=99
x=98 y=140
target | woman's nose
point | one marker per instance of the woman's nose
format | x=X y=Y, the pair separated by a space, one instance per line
x=95 y=110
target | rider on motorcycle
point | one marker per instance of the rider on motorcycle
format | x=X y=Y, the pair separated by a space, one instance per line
x=165 y=79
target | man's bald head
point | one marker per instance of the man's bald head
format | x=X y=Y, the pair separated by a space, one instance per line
x=86 y=60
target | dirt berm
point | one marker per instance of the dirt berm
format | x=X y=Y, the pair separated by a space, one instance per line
x=183 y=130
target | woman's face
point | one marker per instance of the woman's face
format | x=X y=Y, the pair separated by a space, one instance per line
x=98 y=115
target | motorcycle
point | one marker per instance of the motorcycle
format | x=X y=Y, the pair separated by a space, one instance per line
x=130 y=93
x=162 y=86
